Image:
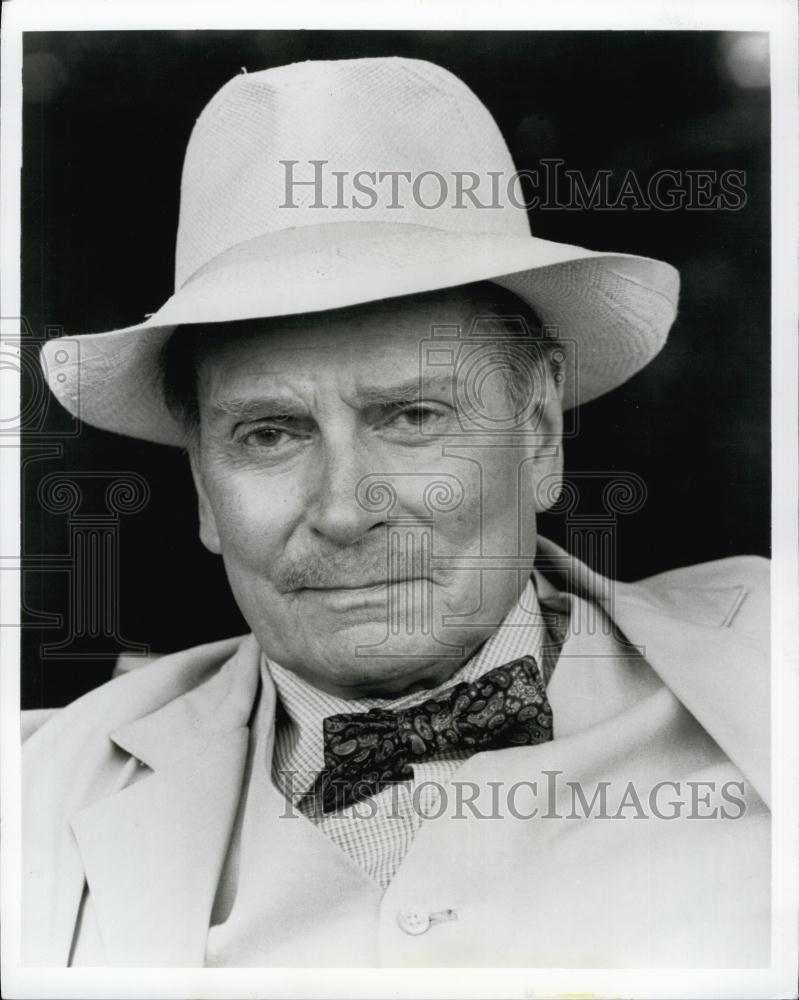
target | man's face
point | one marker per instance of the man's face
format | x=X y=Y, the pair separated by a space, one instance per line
x=321 y=443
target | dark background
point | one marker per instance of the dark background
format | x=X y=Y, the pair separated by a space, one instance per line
x=106 y=119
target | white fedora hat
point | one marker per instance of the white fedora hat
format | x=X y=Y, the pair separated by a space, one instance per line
x=325 y=184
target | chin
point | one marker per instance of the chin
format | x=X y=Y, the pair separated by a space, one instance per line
x=386 y=678
x=363 y=661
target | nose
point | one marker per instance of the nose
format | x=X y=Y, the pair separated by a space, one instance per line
x=334 y=510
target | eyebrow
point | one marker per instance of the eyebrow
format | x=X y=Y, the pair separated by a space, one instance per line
x=409 y=391
x=252 y=408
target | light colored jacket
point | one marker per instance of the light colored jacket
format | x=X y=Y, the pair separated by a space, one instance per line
x=152 y=853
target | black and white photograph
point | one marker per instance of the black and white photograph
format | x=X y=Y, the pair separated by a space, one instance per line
x=399 y=485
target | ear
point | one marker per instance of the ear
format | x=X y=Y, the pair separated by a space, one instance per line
x=209 y=535
x=547 y=449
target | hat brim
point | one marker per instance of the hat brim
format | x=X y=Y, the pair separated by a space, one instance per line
x=614 y=309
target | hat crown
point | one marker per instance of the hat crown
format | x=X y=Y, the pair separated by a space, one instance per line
x=305 y=144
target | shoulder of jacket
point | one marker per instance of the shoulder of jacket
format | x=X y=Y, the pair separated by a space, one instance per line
x=737 y=588
x=141 y=689
x=751 y=571
x=32 y=719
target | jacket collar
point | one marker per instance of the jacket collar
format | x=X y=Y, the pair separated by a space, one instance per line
x=719 y=675
x=185 y=726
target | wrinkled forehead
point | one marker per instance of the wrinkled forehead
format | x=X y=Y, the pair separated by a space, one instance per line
x=358 y=343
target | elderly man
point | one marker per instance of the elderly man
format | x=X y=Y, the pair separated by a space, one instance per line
x=445 y=741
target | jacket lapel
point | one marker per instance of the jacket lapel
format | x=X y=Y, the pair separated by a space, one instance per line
x=153 y=852
x=89 y=768
x=719 y=675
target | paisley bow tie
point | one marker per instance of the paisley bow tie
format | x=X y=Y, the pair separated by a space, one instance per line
x=365 y=751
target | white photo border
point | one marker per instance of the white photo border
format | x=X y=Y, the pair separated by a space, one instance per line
x=779 y=19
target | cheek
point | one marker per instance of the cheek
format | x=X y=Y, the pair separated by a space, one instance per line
x=253 y=518
x=459 y=529
x=489 y=512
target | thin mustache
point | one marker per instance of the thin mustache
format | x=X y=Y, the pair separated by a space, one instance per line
x=359 y=586
x=334 y=573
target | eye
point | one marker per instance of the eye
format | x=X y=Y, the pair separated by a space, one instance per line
x=266 y=437
x=418 y=417
x=270 y=437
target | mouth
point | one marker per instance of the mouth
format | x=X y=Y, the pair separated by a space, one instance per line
x=364 y=593
x=373 y=584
